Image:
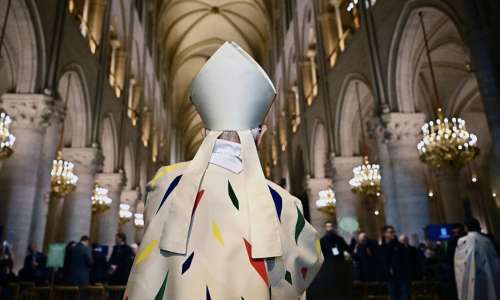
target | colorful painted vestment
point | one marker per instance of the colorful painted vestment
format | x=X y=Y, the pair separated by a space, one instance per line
x=218 y=263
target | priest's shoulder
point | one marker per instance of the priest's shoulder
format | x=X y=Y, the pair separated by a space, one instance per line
x=277 y=190
x=166 y=173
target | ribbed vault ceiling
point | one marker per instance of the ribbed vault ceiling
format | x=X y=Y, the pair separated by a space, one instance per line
x=190 y=31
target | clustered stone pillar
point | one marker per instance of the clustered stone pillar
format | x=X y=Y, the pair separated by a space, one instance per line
x=347 y=202
x=449 y=192
x=50 y=144
x=77 y=211
x=313 y=187
x=19 y=176
x=107 y=222
x=129 y=197
x=406 y=203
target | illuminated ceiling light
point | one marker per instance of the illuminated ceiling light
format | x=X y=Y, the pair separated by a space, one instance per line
x=139 y=220
x=326 y=202
x=474 y=179
x=367 y=181
x=445 y=141
x=431 y=194
x=63 y=180
x=494 y=194
x=376 y=212
x=7 y=139
x=100 y=200
x=125 y=214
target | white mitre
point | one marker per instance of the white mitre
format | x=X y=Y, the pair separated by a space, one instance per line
x=232 y=91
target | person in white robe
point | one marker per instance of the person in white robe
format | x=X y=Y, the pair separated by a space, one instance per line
x=215 y=227
x=477 y=266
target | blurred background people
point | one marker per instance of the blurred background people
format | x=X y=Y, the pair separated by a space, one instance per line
x=121 y=260
x=79 y=262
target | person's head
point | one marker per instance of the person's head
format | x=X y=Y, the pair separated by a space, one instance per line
x=457 y=230
x=121 y=238
x=232 y=136
x=84 y=240
x=403 y=239
x=329 y=227
x=472 y=225
x=362 y=238
x=388 y=233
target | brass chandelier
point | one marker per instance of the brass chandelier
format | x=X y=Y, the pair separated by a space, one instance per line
x=367 y=181
x=125 y=214
x=7 y=139
x=445 y=141
x=63 y=180
x=100 y=199
x=327 y=203
x=139 y=220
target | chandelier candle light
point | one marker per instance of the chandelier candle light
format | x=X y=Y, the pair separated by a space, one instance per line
x=367 y=181
x=100 y=199
x=445 y=141
x=7 y=139
x=63 y=180
x=139 y=220
x=326 y=202
x=125 y=213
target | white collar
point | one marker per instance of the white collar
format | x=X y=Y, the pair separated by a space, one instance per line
x=227 y=155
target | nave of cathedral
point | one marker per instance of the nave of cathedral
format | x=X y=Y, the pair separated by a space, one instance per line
x=387 y=113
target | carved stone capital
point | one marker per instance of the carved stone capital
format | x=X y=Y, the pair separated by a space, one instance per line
x=31 y=111
x=111 y=181
x=398 y=128
x=86 y=160
x=317 y=184
x=343 y=166
x=130 y=197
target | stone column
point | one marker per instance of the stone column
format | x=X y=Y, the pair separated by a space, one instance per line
x=19 y=176
x=409 y=199
x=129 y=197
x=77 y=209
x=313 y=187
x=50 y=144
x=348 y=203
x=107 y=222
x=449 y=192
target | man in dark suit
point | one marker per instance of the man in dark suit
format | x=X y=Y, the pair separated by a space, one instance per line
x=364 y=254
x=121 y=260
x=394 y=265
x=79 y=262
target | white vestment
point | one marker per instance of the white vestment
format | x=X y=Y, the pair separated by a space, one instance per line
x=477 y=268
x=218 y=263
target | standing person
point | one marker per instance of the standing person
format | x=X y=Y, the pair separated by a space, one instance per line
x=335 y=277
x=217 y=229
x=99 y=271
x=365 y=255
x=394 y=265
x=79 y=263
x=121 y=260
x=412 y=259
x=477 y=266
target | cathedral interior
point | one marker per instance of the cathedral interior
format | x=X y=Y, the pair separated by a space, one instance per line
x=386 y=113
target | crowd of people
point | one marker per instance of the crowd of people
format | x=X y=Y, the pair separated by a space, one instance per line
x=84 y=264
x=395 y=263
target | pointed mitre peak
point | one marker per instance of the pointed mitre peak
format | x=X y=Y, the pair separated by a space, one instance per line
x=232 y=91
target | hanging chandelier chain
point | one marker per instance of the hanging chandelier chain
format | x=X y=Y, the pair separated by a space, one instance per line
x=363 y=138
x=429 y=60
